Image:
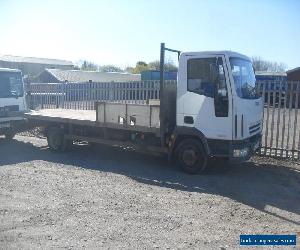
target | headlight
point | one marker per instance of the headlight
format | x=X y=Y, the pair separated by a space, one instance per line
x=240 y=152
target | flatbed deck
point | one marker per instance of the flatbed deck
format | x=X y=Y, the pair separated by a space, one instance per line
x=80 y=117
x=70 y=115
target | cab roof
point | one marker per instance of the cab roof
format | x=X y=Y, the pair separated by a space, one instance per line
x=227 y=53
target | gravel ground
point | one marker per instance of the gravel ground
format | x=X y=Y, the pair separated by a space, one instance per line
x=109 y=198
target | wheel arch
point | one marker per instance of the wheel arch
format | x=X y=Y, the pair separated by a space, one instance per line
x=181 y=133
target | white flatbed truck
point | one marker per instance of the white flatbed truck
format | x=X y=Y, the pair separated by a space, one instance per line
x=214 y=111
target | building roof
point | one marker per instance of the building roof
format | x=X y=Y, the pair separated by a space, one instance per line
x=9 y=70
x=85 y=76
x=20 y=59
x=269 y=73
x=293 y=70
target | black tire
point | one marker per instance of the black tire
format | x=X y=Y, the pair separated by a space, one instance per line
x=9 y=134
x=56 y=140
x=191 y=156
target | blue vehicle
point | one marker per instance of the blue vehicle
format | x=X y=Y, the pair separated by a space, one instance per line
x=154 y=75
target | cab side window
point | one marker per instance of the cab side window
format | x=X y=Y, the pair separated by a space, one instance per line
x=199 y=76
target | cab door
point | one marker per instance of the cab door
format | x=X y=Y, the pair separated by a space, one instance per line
x=247 y=105
x=204 y=98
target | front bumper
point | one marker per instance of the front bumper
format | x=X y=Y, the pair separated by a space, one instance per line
x=242 y=150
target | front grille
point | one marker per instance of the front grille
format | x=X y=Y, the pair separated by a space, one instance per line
x=254 y=128
x=6 y=109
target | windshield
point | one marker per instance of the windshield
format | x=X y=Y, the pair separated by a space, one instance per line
x=11 y=84
x=244 y=78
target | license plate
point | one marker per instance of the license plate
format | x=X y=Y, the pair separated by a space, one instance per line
x=4 y=125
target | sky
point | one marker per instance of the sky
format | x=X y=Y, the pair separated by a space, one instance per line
x=122 y=32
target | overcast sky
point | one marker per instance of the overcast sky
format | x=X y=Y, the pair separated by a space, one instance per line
x=123 y=32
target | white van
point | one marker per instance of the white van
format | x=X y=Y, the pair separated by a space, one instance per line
x=12 y=101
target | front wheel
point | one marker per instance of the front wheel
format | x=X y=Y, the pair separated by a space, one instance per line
x=191 y=156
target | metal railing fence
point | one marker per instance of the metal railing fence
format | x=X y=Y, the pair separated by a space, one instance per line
x=281 y=124
x=83 y=95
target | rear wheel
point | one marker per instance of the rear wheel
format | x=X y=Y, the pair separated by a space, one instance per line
x=191 y=156
x=9 y=134
x=56 y=140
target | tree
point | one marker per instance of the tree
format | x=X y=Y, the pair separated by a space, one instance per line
x=110 y=68
x=155 y=65
x=89 y=66
x=139 y=67
x=169 y=66
x=129 y=69
x=260 y=64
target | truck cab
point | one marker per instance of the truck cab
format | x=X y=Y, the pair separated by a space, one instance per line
x=12 y=101
x=217 y=102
